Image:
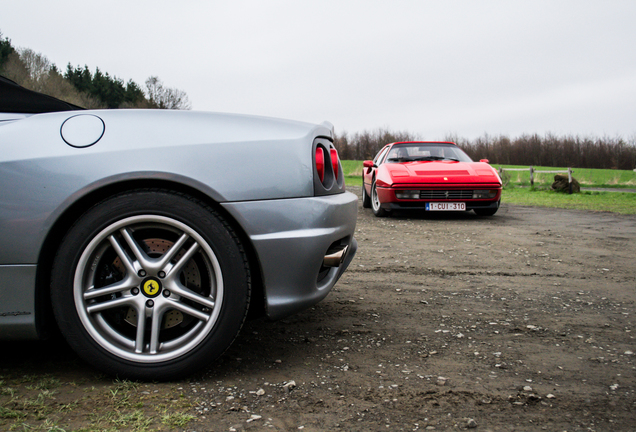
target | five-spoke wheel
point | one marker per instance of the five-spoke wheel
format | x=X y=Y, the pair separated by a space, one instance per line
x=150 y=285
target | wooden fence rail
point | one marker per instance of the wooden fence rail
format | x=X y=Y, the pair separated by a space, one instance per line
x=532 y=171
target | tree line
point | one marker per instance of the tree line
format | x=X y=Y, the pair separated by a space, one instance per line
x=82 y=87
x=536 y=150
x=554 y=151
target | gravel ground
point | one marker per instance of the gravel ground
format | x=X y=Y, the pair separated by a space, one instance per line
x=520 y=321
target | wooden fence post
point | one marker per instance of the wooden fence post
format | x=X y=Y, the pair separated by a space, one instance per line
x=531 y=177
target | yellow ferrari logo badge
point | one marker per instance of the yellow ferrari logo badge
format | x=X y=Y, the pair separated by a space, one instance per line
x=445 y=178
x=151 y=287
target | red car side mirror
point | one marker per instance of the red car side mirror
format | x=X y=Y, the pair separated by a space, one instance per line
x=484 y=160
x=367 y=164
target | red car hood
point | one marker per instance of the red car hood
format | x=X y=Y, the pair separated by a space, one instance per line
x=444 y=172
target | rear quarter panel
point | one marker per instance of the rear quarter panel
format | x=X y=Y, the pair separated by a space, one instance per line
x=228 y=157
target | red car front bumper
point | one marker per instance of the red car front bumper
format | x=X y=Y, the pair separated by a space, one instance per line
x=389 y=200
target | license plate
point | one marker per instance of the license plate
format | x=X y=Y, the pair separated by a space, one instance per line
x=446 y=206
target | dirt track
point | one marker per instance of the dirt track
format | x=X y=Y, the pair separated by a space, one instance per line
x=521 y=321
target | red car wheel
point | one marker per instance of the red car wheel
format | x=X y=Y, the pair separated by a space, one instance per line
x=375 y=202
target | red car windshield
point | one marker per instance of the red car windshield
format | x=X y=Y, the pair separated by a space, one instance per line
x=426 y=152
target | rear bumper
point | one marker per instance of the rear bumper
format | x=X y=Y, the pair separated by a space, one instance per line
x=291 y=238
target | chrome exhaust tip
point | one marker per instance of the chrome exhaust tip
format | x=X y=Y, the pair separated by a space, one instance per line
x=335 y=256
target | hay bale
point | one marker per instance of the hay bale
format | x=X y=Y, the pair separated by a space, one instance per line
x=561 y=184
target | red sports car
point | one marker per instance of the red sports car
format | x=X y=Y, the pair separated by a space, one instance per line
x=431 y=176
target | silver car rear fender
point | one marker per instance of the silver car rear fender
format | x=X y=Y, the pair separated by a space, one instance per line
x=291 y=238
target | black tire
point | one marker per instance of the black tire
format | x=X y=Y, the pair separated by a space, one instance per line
x=378 y=211
x=188 y=280
x=487 y=211
x=366 y=199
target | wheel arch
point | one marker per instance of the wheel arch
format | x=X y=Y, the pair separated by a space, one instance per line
x=383 y=177
x=65 y=220
x=370 y=184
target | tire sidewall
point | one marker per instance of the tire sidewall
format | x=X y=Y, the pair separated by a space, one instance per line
x=488 y=212
x=366 y=199
x=379 y=212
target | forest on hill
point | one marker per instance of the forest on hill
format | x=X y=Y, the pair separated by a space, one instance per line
x=79 y=86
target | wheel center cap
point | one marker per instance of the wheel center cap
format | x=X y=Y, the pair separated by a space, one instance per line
x=151 y=287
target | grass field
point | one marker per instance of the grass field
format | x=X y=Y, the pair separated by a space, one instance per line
x=615 y=202
x=542 y=196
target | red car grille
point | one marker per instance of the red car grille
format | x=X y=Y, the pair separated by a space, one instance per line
x=446 y=194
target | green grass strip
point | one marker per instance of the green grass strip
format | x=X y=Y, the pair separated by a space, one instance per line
x=615 y=202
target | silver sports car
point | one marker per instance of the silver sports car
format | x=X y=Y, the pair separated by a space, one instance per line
x=146 y=236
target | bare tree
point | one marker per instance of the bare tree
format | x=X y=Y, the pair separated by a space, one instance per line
x=553 y=150
x=165 y=97
x=36 y=63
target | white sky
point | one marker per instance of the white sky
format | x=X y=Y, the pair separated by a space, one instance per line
x=428 y=67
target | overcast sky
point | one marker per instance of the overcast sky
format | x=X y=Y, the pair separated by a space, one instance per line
x=432 y=68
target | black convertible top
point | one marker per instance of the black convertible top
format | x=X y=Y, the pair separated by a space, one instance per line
x=16 y=99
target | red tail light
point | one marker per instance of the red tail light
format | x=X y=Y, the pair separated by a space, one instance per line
x=334 y=162
x=320 y=163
